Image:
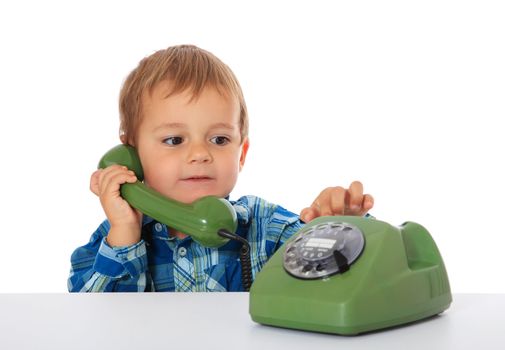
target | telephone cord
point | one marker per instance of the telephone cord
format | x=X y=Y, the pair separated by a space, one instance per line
x=245 y=257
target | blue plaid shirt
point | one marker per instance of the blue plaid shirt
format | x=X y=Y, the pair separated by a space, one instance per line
x=163 y=263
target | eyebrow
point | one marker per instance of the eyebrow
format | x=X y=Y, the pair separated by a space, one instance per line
x=170 y=126
x=222 y=125
x=183 y=126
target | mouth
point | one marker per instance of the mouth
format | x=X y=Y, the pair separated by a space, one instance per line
x=197 y=178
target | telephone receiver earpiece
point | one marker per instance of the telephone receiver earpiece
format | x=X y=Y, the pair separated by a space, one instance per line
x=201 y=219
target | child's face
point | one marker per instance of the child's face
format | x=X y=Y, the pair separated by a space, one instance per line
x=190 y=149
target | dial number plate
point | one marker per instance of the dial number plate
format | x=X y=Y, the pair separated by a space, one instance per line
x=323 y=250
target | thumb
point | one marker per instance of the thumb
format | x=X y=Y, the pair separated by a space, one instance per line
x=308 y=214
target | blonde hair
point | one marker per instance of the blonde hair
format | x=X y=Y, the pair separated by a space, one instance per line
x=186 y=67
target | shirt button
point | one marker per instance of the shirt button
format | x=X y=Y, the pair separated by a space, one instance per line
x=182 y=252
x=158 y=227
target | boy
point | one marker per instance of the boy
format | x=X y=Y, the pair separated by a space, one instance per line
x=184 y=112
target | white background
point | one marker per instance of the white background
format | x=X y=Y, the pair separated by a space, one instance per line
x=406 y=96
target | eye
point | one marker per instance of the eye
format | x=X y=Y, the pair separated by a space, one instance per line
x=220 y=140
x=173 y=140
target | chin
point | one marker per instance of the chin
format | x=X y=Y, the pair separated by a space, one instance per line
x=190 y=198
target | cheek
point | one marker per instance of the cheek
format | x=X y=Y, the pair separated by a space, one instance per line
x=160 y=175
x=230 y=162
x=229 y=168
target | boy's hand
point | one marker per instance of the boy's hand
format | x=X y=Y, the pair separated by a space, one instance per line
x=339 y=201
x=124 y=220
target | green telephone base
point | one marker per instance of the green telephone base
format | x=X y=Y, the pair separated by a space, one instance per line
x=398 y=277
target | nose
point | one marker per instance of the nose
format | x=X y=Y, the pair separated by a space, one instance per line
x=199 y=153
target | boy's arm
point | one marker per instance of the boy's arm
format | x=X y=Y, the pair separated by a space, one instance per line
x=97 y=267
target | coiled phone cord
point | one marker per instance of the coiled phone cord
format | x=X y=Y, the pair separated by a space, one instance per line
x=245 y=258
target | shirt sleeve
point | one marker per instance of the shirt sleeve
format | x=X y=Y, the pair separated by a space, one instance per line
x=280 y=226
x=98 y=267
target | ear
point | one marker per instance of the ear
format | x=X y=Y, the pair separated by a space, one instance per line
x=243 y=154
x=125 y=141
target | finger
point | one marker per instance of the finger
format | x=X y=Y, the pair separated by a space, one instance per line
x=337 y=200
x=309 y=214
x=355 y=197
x=93 y=182
x=105 y=173
x=324 y=202
x=110 y=170
x=114 y=179
x=368 y=202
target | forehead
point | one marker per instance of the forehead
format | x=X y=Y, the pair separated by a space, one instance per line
x=166 y=89
x=163 y=102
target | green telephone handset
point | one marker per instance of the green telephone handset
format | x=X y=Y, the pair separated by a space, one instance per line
x=207 y=220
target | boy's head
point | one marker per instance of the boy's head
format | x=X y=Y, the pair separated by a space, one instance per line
x=187 y=68
x=183 y=109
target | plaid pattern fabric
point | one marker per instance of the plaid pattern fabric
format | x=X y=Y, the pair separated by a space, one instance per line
x=163 y=263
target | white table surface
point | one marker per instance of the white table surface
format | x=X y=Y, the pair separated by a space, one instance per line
x=221 y=321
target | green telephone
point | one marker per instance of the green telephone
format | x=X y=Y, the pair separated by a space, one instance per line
x=202 y=219
x=349 y=275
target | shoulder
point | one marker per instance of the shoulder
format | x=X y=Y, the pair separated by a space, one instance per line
x=248 y=207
